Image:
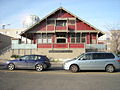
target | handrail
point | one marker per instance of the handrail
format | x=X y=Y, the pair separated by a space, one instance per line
x=4 y=50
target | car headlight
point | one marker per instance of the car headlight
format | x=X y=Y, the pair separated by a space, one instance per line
x=7 y=62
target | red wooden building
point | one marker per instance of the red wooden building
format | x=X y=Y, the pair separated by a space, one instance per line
x=62 y=32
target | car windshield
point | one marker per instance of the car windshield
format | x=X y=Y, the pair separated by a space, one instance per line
x=24 y=57
x=79 y=56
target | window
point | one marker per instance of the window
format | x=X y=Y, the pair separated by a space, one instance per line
x=44 y=36
x=39 y=38
x=61 y=34
x=78 y=38
x=50 y=22
x=61 y=40
x=72 y=35
x=71 y=22
x=85 y=57
x=109 y=56
x=37 y=57
x=83 y=40
x=103 y=56
x=25 y=58
x=49 y=38
x=61 y=23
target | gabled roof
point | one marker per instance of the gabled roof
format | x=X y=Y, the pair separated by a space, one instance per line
x=55 y=12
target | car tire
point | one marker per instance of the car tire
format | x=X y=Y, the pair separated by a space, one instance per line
x=39 y=67
x=11 y=66
x=110 y=68
x=74 y=68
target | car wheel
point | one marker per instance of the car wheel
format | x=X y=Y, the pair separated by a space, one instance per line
x=39 y=67
x=110 y=68
x=11 y=66
x=74 y=68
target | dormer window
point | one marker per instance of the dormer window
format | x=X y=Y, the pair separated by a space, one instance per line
x=61 y=23
x=71 y=22
x=50 y=22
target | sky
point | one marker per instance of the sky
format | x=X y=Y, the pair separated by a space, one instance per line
x=99 y=13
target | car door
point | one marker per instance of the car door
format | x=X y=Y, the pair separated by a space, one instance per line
x=86 y=62
x=31 y=62
x=101 y=59
x=21 y=63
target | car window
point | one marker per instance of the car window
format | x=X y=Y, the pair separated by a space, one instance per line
x=103 y=56
x=81 y=56
x=24 y=57
x=34 y=57
x=85 y=57
x=37 y=57
x=31 y=57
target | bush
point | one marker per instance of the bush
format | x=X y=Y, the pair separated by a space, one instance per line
x=15 y=56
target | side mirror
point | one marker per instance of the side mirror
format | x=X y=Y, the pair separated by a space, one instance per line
x=20 y=59
x=83 y=59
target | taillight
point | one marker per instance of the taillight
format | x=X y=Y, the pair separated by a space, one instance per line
x=118 y=61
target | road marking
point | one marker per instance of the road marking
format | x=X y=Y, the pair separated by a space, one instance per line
x=54 y=72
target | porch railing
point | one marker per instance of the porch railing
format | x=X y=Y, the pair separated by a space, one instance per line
x=24 y=46
x=96 y=46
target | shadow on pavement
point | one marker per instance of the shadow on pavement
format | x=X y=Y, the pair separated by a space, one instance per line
x=57 y=68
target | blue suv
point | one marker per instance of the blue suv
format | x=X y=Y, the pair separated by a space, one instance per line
x=38 y=62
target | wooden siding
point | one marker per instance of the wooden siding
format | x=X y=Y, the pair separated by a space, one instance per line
x=61 y=14
x=44 y=46
x=66 y=45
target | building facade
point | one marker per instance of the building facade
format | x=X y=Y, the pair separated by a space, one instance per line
x=61 y=34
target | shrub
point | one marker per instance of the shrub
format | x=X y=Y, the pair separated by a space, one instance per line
x=15 y=56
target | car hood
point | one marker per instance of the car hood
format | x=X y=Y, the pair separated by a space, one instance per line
x=70 y=60
x=12 y=60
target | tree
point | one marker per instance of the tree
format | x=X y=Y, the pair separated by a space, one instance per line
x=114 y=37
x=115 y=41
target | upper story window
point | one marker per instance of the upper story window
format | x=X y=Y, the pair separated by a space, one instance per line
x=71 y=22
x=61 y=23
x=50 y=22
x=61 y=35
x=83 y=38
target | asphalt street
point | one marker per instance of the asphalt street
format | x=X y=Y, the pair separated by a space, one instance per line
x=57 y=79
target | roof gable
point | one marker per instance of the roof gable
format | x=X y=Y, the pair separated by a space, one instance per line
x=61 y=13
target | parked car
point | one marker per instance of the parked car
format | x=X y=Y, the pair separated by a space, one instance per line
x=94 y=61
x=38 y=62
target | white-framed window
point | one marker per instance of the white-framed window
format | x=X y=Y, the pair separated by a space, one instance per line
x=78 y=38
x=71 y=22
x=44 y=38
x=61 y=23
x=39 y=40
x=50 y=22
x=72 y=37
x=83 y=38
